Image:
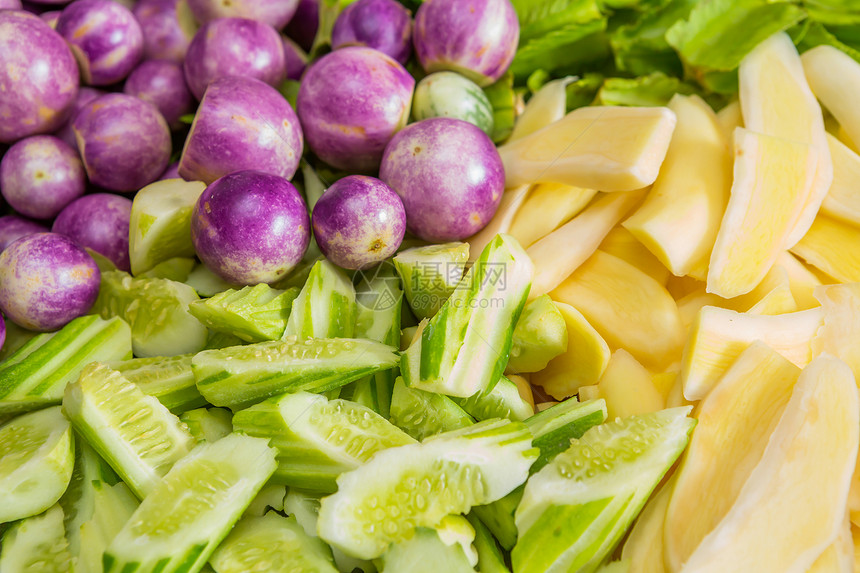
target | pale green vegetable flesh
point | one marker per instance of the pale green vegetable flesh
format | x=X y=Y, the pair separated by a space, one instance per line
x=539 y=336
x=168 y=378
x=208 y=424
x=113 y=506
x=502 y=401
x=36 y=544
x=253 y=313
x=36 y=462
x=430 y=274
x=421 y=414
x=35 y=375
x=425 y=553
x=325 y=307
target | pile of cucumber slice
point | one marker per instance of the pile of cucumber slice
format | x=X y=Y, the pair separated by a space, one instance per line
x=299 y=430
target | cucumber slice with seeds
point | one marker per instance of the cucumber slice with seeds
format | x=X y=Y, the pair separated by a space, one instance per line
x=273 y=544
x=36 y=544
x=399 y=489
x=167 y=378
x=325 y=307
x=36 y=462
x=421 y=414
x=253 y=314
x=181 y=522
x=318 y=439
x=113 y=506
x=36 y=374
x=490 y=558
x=239 y=376
x=208 y=424
x=430 y=274
x=134 y=433
x=156 y=309
x=502 y=401
x=425 y=552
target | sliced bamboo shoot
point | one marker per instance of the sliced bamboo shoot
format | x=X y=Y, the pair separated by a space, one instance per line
x=548 y=206
x=623 y=244
x=834 y=77
x=545 y=107
x=839 y=555
x=644 y=545
x=627 y=388
x=801 y=281
x=730 y=118
x=843 y=199
x=511 y=201
x=832 y=247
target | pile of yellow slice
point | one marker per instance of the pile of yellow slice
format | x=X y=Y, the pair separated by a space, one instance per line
x=713 y=259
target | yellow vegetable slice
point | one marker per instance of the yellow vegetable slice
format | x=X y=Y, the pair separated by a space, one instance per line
x=843 y=199
x=833 y=247
x=680 y=218
x=771 y=296
x=793 y=504
x=801 y=281
x=623 y=244
x=546 y=106
x=603 y=148
x=627 y=388
x=771 y=181
x=511 y=201
x=644 y=545
x=584 y=362
x=561 y=252
x=735 y=422
x=627 y=307
x=776 y=100
x=718 y=336
x=839 y=555
x=689 y=306
x=730 y=118
x=835 y=80
x=548 y=206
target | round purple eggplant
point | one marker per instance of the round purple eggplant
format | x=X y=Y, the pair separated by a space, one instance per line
x=234 y=47
x=162 y=83
x=46 y=280
x=100 y=222
x=351 y=102
x=39 y=78
x=242 y=123
x=250 y=227
x=302 y=27
x=50 y=18
x=358 y=222
x=449 y=175
x=295 y=58
x=477 y=38
x=11 y=5
x=85 y=95
x=105 y=38
x=13 y=227
x=172 y=172
x=384 y=25
x=167 y=26
x=275 y=13
x=40 y=175
x=123 y=140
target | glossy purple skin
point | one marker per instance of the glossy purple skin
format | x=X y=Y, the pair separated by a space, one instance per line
x=234 y=47
x=100 y=222
x=13 y=227
x=50 y=18
x=10 y=5
x=358 y=222
x=449 y=175
x=295 y=59
x=85 y=95
x=172 y=172
x=46 y=280
x=39 y=78
x=105 y=38
x=241 y=123
x=477 y=38
x=302 y=27
x=40 y=175
x=164 y=36
x=384 y=25
x=162 y=83
x=124 y=142
x=275 y=13
x=250 y=227
x=351 y=103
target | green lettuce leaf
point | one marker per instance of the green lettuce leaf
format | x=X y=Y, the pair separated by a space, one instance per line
x=641 y=48
x=651 y=90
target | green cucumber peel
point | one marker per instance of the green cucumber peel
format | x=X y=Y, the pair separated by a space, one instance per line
x=113 y=506
x=253 y=313
x=425 y=552
x=325 y=307
x=421 y=414
x=239 y=376
x=167 y=378
x=208 y=424
x=37 y=543
x=430 y=274
x=37 y=373
x=539 y=336
x=463 y=349
x=490 y=557
x=502 y=401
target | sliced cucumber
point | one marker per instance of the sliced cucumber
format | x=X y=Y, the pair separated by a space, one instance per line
x=539 y=336
x=160 y=226
x=182 y=521
x=205 y=282
x=36 y=374
x=239 y=376
x=575 y=510
x=270 y=497
x=37 y=544
x=421 y=414
x=16 y=337
x=325 y=308
x=208 y=424
x=430 y=274
x=465 y=346
x=273 y=544
x=167 y=378
x=134 y=433
x=113 y=506
x=36 y=461
x=175 y=269
x=253 y=314
x=498 y=516
x=219 y=340
x=318 y=439
x=490 y=557
x=156 y=309
x=502 y=401
x=425 y=552
x=456 y=530
x=399 y=489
